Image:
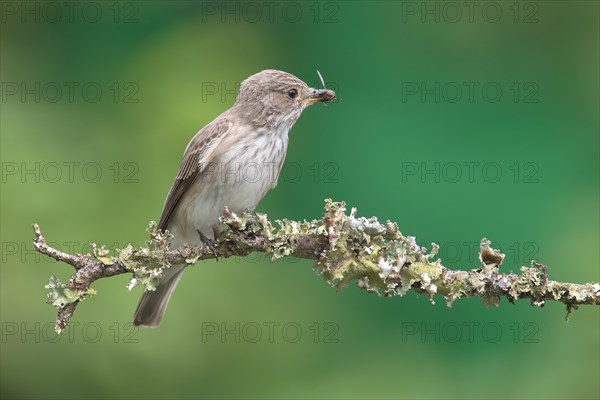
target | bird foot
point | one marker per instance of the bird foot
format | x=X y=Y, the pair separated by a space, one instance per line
x=212 y=245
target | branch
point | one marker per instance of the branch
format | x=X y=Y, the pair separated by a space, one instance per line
x=344 y=248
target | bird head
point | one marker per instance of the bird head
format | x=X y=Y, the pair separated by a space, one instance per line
x=273 y=97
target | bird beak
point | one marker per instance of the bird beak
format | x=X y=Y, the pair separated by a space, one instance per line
x=319 y=95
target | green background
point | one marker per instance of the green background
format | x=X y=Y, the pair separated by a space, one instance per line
x=166 y=56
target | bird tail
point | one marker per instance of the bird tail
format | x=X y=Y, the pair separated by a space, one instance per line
x=152 y=305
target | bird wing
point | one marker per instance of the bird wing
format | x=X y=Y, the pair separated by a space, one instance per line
x=194 y=159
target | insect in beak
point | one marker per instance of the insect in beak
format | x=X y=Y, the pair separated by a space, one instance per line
x=323 y=95
x=322 y=80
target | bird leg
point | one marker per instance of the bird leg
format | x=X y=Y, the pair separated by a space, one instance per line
x=209 y=242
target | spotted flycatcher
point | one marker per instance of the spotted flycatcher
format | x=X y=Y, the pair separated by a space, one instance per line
x=232 y=162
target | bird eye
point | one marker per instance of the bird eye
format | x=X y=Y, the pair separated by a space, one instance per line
x=293 y=93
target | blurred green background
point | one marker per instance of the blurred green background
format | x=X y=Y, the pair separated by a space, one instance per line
x=99 y=100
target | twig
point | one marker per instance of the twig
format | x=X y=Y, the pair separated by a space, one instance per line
x=344 y=248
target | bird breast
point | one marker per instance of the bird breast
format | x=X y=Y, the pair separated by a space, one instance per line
x=244 y=167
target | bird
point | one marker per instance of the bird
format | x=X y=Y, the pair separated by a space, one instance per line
x=231 y=162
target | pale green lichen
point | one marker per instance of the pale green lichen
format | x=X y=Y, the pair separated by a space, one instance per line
x=147 y=263
x=149 y=278
x=102 y=254
x=59 y=295
x=385 y=261
x=345 y=248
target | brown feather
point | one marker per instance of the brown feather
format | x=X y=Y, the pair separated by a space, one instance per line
x=194 y=156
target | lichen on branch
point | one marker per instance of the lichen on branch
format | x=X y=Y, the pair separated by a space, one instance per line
x=344 y=247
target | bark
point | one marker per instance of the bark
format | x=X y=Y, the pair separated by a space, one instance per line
x=344 y=248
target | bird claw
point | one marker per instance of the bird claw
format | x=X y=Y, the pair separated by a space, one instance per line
x=212 y=245
x=216 y=232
